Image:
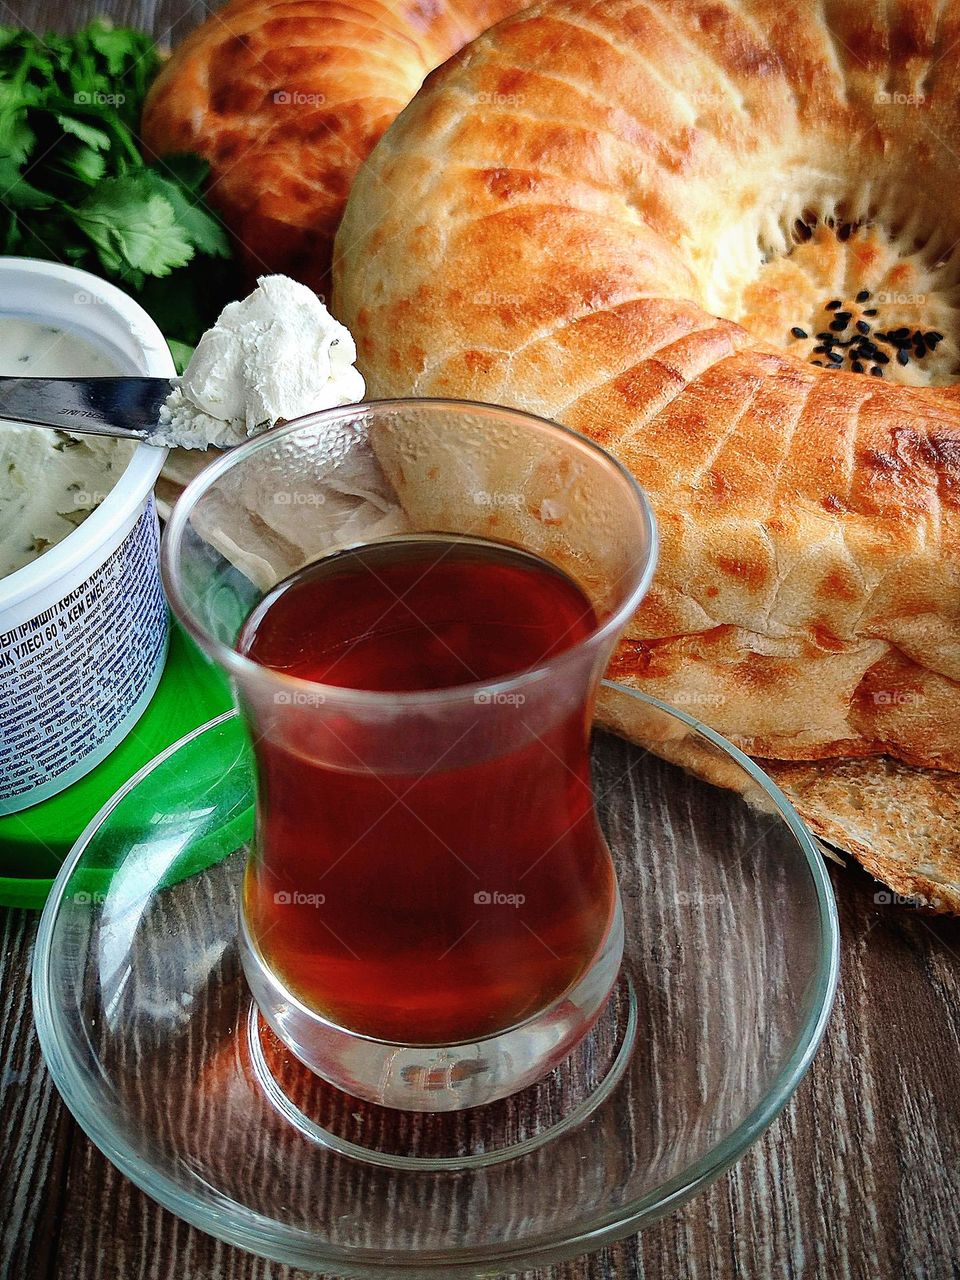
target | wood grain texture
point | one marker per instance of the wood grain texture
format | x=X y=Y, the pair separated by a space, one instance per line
x=859 y=1179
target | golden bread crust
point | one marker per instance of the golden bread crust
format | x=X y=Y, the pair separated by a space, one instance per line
x=287 y=98
x=900 y=823
x=555 y=222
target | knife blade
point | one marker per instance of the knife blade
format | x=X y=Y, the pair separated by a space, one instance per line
x=128 y=408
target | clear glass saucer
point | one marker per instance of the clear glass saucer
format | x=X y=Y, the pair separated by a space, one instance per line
x=152 y=1039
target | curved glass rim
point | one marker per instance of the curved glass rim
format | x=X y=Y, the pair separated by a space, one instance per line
x=135 y=483
x=238 y=665
x=224 y=1219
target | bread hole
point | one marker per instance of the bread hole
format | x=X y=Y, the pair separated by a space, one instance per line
x=850 y=286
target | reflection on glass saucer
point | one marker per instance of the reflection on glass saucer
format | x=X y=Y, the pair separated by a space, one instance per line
x=151 y=1036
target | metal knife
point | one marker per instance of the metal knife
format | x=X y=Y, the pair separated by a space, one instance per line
x=128 y=408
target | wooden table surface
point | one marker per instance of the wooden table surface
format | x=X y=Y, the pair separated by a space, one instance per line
x=859 y=1178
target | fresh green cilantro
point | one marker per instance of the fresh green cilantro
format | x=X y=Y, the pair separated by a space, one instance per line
x=181 y=352
x=134 y=227
x=75 y=186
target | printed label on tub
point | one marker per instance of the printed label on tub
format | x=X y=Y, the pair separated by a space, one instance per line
x=72 y=674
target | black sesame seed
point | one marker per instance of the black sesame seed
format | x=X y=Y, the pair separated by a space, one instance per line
x=838 y=326
x=862 y=326
x=881 y=358
x=857 y=367
x=826 y=337
x=877 y=371
x=819 y=351
x=818 y=363
x=917 y=335
x=835 y=305
x=863 y=295
x=900 y=333
x=844 y=316
x=798 y=332
x=903 y=357
x=933 y=338
x=870 y=311
x=920 y=349
x=835 y=356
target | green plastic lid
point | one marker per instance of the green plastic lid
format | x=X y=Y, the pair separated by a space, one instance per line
x=34 y=842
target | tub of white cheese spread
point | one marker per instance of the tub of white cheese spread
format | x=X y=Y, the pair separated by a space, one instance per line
x=83 y=622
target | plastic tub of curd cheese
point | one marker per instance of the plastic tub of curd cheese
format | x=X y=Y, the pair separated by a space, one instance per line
x=83 y=621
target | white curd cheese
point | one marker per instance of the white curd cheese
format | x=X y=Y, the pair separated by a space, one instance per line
x=278 y=353
x=50 y=480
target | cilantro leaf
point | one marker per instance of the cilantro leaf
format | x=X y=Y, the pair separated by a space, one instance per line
x=115 y=45
x=16 y=136
x=76 y=187
x=130 y=223
x=84 y=165
x=19 y=194
x=95 y=138
x=181 y=352
x=204 y=231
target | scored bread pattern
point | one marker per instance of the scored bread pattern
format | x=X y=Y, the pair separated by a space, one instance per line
x=551 y=224
x=557 y=221
x=286 y=99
